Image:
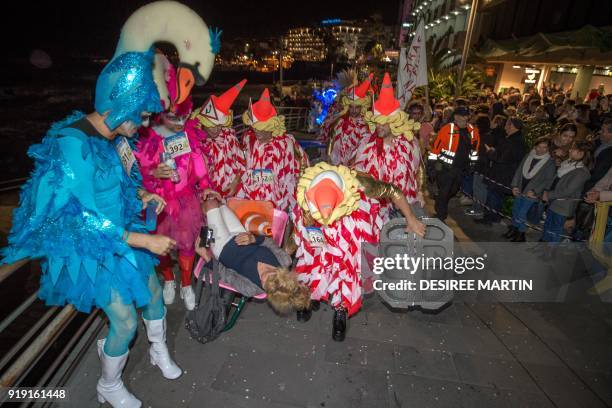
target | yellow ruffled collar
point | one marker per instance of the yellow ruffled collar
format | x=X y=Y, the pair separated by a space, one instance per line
x=399 y=123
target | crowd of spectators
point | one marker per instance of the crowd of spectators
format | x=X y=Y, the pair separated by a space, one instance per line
x=550 y=152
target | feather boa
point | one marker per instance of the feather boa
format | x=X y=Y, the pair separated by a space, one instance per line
x=191 y=166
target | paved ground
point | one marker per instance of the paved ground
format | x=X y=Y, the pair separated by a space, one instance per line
x=500 y=355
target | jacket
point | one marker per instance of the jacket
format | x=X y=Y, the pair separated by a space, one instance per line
x=242 y=284
x=506 y=158
x=569 y=186
x=447 y=141
x=541 y=181
x=491 y=138
x=603 y=162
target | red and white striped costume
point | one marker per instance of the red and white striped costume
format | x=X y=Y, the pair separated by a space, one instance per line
x=225 y=159
x=348 y=134
x=397 y=164
x=281 y=157
x=326 y=126
x=333 y=271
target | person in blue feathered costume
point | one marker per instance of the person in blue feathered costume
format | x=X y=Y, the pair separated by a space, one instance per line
x=80 y=212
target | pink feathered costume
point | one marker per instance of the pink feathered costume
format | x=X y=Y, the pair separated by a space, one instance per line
x=182 y=218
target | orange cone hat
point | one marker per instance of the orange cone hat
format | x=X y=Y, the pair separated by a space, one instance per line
x=226 y=99
x=361 y=91
x=386 y=104
x=262 y=110
x=326 y=196
x=217 y=108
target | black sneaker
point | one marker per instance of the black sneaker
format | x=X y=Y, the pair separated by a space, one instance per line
x=518 y=237
x=339 y=325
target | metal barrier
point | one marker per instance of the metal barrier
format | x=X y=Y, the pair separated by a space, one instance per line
x=13 y=184
x=24 y=355
x=596 y=242
x=437 y=242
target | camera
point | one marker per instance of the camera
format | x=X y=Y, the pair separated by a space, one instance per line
x=207 y=237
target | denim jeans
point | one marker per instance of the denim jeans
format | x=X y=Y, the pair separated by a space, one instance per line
x=520 y=208
x=534 y=215
x=467 y=184
x=495 y=201
x=480 y=192
x=553 y=226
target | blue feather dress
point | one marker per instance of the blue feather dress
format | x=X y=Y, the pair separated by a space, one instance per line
x=72 y=215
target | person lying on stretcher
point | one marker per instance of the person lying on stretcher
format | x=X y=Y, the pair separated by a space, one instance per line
x=243 y=252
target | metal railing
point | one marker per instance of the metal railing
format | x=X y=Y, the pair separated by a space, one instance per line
x=13 y=184
x=596 y=242
x=24 y=355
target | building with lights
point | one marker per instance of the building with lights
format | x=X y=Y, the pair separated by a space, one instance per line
x=304 y=44
x=523 y=43
x=535 y=42
x=445 y=20
x=308 y=43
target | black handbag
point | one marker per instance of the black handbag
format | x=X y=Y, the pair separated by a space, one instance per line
x=207 y=320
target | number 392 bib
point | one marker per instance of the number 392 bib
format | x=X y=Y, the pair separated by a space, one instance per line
x=177 y=145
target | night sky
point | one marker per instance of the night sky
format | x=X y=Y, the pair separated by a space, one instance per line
x=89 y=26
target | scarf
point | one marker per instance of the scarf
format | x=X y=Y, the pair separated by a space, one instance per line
x=528 y=174
x=567 y=166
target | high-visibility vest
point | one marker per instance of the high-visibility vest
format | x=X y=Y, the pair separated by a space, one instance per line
x=447 y=141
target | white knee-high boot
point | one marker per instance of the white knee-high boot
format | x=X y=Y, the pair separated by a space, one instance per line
x=110 y=386
x=156 y=332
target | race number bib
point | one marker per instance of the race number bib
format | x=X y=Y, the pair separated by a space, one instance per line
x=262 y=176
x=126 y=155
x=177 y=145
x=316 y=237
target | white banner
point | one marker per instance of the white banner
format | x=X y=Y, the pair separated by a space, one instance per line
x=412 y=69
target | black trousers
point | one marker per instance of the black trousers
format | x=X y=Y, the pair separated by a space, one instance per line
x=449 y=180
